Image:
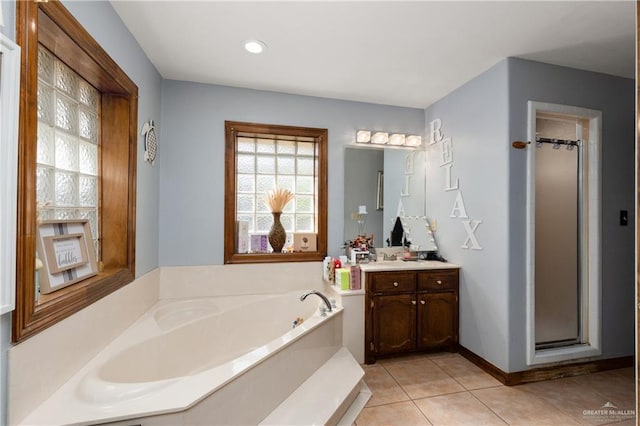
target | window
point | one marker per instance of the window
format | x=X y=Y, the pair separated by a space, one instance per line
x=77 y=158
x=260 y=158
x=67 y=181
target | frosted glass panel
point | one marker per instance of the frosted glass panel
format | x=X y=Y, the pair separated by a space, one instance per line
x=66 y=152
x=88 y=158
x=304 y=204
x=66 y=114
x=286 y=165
x=305 y=166
x=88 y=191
x=65 y=79
x=65 y=214
x=45 y=65
x=66 y=189
x=88 y=125
x=286 y=147
x=45 y=144
x=45 y=103
x=287 y=182
x=304 y=223
x=245 y=183
x=305 y=185
x=88 y=95
x=246 y=145
x=246 y=164
x=266 y=146
x=92 y=217
x=261 y=205
x=44 y=185
x=266 y=164
x=264 y=222
x=306 y=148
x=245 y=203
x=265 y=183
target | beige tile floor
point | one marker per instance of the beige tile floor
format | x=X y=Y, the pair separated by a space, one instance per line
x=447 y=389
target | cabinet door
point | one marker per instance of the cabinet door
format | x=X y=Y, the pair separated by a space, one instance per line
x=437 y=319
x=394 y=323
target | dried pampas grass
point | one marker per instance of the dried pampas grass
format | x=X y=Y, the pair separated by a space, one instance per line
x=277 y=199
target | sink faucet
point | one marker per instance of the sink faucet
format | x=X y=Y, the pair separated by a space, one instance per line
x=320 y=295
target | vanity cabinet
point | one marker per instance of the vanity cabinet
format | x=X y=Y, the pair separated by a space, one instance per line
x=408 y=311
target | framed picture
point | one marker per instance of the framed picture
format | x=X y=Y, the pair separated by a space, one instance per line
x=9 y=100
x=67 y=253
x=304 y=242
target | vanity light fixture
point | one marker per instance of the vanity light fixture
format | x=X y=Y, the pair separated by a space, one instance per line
x=380 y=138
x=363 y=136
x=413 y=140
x=397 y=139
x=383 y=138
x=254 y=46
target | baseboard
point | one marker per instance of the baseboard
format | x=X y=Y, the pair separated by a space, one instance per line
x=550 y=372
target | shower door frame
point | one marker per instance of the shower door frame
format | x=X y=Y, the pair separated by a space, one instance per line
x=590 y=238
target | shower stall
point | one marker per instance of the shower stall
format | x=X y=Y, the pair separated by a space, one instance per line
x=563 y=276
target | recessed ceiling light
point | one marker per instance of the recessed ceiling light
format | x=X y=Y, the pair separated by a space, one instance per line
x=254 y=46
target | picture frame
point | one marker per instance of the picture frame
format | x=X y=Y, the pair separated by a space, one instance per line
x=9 y=103
x=66 y=250
x=304 y=242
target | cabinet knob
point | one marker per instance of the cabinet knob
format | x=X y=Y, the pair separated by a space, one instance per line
x=413 y=301
x=422 y=302
x=439 y=282
x=395 y=284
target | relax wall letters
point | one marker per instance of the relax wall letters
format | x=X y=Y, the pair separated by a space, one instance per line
x=458 y=209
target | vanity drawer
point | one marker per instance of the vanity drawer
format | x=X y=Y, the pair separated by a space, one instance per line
x=393 y=282
x=441 y=279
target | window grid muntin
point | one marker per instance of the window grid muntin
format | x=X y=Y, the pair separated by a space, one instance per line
x=75 y=131
x=253 y=150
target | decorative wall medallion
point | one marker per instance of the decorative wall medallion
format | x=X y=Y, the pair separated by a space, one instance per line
x=150 y=142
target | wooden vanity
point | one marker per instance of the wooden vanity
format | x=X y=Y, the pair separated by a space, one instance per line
x=409 y=307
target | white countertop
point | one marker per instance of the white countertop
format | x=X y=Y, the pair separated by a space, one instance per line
x=409 y=265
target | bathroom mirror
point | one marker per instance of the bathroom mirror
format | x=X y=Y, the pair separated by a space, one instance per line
x=364 y=186
x=401 y=191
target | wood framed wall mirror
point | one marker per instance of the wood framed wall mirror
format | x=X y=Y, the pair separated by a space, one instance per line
x=77 y=159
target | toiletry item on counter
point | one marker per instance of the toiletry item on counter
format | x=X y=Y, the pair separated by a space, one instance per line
x=325 y=267
x=344 y=260
x=243 y=236
x=359 y=257
x=259 y=243
x=355 y=278
x=343 y=278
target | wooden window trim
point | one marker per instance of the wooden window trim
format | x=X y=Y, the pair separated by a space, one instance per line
x=52 y=25
x=230 y=251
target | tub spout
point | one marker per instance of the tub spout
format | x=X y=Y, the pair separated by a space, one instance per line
x=321 y=296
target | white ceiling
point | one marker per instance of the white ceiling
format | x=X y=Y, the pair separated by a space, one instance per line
x=387 y=52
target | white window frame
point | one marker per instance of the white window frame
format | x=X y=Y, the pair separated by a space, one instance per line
x=9 y=103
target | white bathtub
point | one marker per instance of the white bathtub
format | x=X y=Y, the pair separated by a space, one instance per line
x=221 y=360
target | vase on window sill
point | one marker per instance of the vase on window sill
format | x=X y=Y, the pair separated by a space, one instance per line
x=277 y=235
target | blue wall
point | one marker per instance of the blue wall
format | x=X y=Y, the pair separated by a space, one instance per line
x=475 y=118
x=483 y=117
x=192 y=157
